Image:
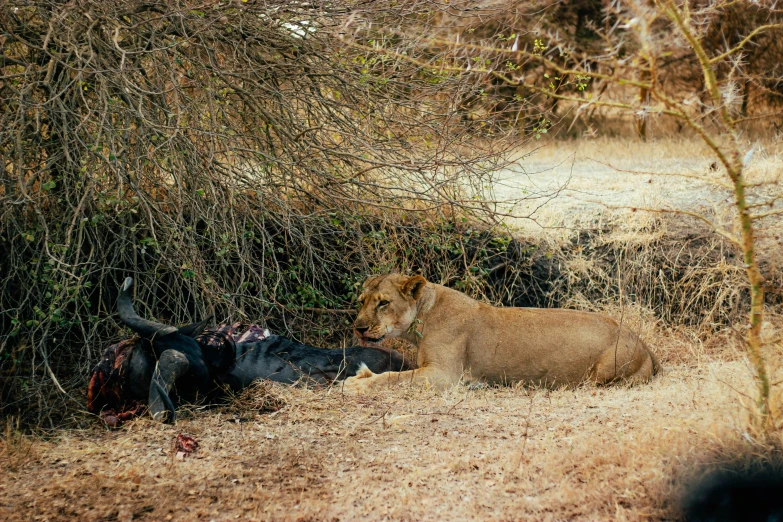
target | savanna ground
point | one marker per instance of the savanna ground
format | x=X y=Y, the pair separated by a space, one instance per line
x=280 y=453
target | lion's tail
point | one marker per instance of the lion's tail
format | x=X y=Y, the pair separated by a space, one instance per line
x=656 y=364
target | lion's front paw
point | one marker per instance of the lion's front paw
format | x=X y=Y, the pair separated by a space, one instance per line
x=359 y=383
x=364 y=372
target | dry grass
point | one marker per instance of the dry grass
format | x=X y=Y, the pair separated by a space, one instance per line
x=493 y=454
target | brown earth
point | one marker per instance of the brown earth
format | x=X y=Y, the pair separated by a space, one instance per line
x=489 y=454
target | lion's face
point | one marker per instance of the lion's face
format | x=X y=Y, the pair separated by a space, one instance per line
x=388 y=307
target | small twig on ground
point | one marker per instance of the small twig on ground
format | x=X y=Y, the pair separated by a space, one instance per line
x=382 y=416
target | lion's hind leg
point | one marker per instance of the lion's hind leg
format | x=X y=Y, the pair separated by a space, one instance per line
x=629 y=363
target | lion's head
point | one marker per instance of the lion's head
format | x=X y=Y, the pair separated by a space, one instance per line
x=388 y=307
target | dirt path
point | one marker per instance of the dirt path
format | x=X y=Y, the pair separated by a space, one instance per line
x=576 y=184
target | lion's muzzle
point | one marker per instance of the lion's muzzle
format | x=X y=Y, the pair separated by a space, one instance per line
x=366 y=338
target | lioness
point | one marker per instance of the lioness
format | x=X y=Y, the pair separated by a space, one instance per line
x=461 y=338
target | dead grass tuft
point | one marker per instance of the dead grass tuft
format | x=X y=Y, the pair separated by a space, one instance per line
x=16 y=448
x=261 y=397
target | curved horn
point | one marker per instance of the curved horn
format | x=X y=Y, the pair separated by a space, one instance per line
x=145 y=328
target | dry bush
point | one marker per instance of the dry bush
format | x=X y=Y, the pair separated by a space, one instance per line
x=237 y=157
x=675 y=268
x=573 y=36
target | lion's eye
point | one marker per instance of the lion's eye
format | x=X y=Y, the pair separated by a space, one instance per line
x=383 y=303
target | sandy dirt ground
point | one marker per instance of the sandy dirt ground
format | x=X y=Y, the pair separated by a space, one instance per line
x=410 y=454
x=493 y=454
x=572 y=184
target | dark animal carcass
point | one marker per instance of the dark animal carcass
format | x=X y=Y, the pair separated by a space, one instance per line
x=166 y=365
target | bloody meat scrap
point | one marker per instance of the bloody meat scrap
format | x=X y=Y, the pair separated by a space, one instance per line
x=184 y=445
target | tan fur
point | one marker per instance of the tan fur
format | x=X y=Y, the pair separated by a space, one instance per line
x=460 y=338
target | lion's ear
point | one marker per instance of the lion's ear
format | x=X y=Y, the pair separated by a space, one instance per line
x=413 y=287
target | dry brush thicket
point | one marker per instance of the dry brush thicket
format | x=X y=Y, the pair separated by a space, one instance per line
x=235 y=156
x=572 y=50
